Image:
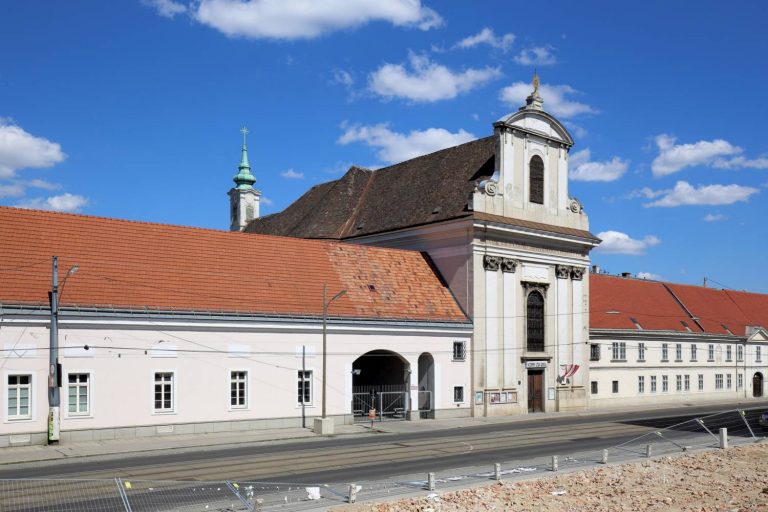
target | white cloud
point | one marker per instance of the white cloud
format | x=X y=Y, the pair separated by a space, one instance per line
x=266 y=201
x=714 y=217
x=555 y=99
x=650 y=276
x=12 y=190
x=536 y=56
x=397 y=147
x=578 y=130
x=166 y=8
x=292 y=175
x=676 y=157
x=685 y=194
x=62 y=203
x=616 y=242
x=19 y=149
x=344 y=78
x=426 y=81
x=45 y=185
x=582 y=169
x=307 y=19
x=740 y=162
x=486 y=36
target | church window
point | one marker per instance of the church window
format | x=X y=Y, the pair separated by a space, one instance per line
x=535 y=322
x=536 y=171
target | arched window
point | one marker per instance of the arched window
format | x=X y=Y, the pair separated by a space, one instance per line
x=536 y=179
x=535 y=329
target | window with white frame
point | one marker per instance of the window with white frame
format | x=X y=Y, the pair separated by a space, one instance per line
x=238 y=389
x=701 y=382
x=711 y=353
x=728 y=356
x=739 y=353
x=458 y=394
x=693 y=352
x=641 y=384
x=19 y=397
x=728 y=380
x=79 y=394
x=304 y=387
x=619 y=351
x=664 y=383
x=664 y=352
x=679 y=352
x=678 y=383
x=687 y=382
x=459 y=351
x=653 y=383
x=757 y=355
x=718 y=381
x=641 y=351
x=739 y=380
x=163 y=391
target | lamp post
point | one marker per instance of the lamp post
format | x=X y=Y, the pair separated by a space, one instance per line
x=54 y=372
x=326 y=303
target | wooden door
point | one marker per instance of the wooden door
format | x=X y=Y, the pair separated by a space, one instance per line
x=535 y=391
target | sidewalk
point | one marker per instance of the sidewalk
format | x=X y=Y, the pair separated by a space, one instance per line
x=113 y=448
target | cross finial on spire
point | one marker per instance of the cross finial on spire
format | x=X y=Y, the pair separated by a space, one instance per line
x=245 y=132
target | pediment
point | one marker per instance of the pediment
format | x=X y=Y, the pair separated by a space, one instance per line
x=537 y=122
x=760 y=335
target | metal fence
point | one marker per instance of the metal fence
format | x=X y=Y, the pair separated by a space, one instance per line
x=664 y=437
x=391 y=402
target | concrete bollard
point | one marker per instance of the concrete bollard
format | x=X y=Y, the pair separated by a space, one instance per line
x=724 y=438
x=648 y=451
x=352 y=492
x=605 y=457
x=430 y=481
x=497 y=471
x=554 y=463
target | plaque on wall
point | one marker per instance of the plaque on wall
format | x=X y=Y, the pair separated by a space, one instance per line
x=478 y=397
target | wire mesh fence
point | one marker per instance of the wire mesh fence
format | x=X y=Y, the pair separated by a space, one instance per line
x=664 y=437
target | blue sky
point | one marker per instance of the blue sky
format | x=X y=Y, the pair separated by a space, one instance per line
x=131 y=109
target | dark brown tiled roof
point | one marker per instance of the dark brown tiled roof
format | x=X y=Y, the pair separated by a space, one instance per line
x=125 y=264
x=427 y=189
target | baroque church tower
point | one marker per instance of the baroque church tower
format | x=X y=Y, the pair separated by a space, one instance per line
x=243 y=198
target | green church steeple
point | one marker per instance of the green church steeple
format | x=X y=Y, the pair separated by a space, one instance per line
x=244 y=179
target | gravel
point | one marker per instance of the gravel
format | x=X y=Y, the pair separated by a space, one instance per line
x=724 y=480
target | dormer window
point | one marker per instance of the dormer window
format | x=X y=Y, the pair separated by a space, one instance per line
x=536 y=178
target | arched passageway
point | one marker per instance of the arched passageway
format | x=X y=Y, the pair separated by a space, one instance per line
x=380 y=381
x=426 y=385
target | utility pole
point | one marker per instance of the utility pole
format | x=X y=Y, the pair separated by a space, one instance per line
x=326 y=303
x=303 y=385
x=54 y=377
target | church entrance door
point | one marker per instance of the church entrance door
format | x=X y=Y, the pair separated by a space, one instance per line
x=535 y=390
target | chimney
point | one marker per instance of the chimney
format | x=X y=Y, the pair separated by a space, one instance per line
x=626 y=274
x=595 y=269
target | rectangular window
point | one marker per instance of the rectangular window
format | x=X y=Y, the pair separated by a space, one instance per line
x=701 y=382
x=728 y=356
x=641 y=352
x=594 y=352
x=619 y=351
x=711 y=353
x=728 y=380
x=19 y=397
x=459 y=351
x=641 y=384
x=78 y=393
x=664 y=383
x=163 y=391
x=238 y=390
x=305 y=387
x=739 y=352
x=718 y=381
x=458 y=394
x=757 y=355
x=664 y=352
x=693 y=352
x=615 y=386
x=679 y=352
x=593 y=386
x=687 y=382
x=653 y=383
x=678 y=383
x=739 y=380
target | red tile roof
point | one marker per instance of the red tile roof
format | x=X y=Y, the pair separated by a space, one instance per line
x=655 y=306
x=137 y=265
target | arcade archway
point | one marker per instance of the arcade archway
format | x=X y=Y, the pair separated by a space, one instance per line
x=380 y=381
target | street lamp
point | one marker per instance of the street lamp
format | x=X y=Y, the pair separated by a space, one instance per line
x=327 y=303
x=54 y=373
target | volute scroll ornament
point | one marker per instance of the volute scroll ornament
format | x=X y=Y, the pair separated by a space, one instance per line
x=491 y=262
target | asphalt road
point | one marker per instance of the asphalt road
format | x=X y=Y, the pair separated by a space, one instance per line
x=369 y=457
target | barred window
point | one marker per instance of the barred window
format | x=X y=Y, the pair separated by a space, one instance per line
x=535 y=322
x=594 y=352
x=459 y=351
x=536 y=170
x=458 y=394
